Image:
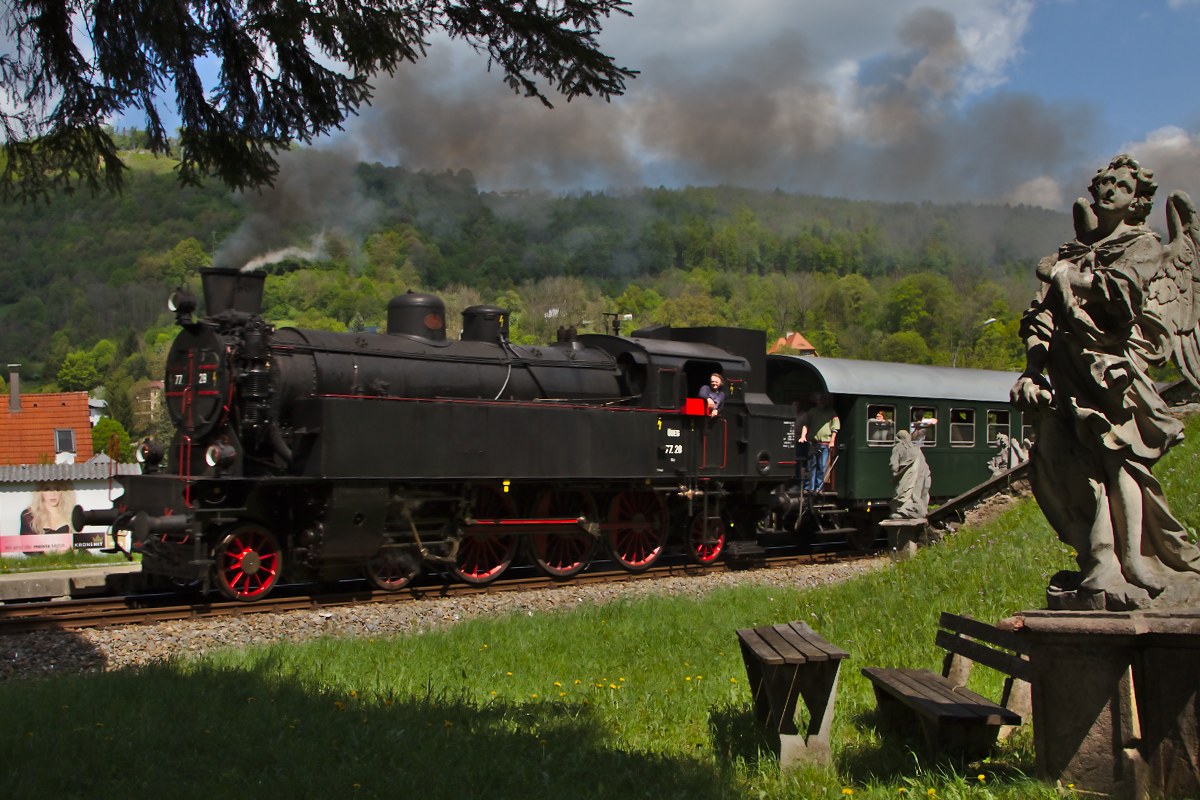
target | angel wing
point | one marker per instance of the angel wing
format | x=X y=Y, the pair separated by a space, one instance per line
x=1175 y=293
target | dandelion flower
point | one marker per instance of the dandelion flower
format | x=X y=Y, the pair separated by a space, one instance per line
x=846 y=790
x=557 y=685
x=733 y=680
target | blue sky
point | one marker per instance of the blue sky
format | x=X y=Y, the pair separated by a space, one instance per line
x=941 y=100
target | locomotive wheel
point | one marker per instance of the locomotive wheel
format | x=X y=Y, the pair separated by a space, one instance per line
x=484 y=555
x=392 y=569
x=562 y=555
x=248 y=563
x=638 y=531
x=706 y=537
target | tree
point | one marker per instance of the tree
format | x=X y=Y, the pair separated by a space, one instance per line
x=103 y=432
x=78 y=372
x=288 y=71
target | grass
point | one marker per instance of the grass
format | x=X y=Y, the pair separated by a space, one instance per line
x=69 y=559
x=636 y=698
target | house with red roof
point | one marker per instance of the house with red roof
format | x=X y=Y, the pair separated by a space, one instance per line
x=793 y=343
x=49 y=428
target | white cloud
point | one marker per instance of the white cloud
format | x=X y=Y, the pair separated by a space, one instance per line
x=1042 y=191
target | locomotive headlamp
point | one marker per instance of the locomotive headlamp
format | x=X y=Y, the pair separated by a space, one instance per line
x=219 y=455
x=183 y=303
x=149 y=455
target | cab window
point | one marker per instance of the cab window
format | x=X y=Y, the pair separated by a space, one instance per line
x=666 y=388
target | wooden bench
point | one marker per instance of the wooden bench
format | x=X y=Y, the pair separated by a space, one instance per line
x=954 y=720
x=784 y=663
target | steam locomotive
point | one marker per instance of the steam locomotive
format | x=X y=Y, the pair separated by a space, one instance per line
x=304 y=454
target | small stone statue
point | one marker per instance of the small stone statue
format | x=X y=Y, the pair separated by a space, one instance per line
x=1010 y=452
x=1113 y=302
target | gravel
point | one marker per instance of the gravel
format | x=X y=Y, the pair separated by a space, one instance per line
x=94 y=650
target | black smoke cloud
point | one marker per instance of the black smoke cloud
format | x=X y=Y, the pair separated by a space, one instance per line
x=763 y=117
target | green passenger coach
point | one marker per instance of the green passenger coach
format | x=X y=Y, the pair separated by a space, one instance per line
x=956 y=415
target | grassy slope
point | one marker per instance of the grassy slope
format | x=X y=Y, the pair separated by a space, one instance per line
x=642 y=698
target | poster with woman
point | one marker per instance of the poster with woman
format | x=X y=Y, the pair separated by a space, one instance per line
x=35 y=519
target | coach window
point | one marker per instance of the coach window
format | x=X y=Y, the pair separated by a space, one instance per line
x=997 y=423
x=881 y=425
x=667 y=395
x=1026 y=433
x=923 y=425
x=962 y=427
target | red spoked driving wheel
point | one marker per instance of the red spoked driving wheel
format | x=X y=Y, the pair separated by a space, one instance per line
x=706 y=537
x=392 y=568
x=562 y=555
x=248 y=563
x=637 y=529
x=487 y=551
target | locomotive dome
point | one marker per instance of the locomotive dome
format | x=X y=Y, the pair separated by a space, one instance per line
x=417 y=314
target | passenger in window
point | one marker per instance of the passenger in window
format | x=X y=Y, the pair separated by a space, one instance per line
x=713 y=394
x=879 y=428
x=920 y=428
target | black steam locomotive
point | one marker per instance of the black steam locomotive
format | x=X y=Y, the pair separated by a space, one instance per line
x=311 y=455
x=304 y=453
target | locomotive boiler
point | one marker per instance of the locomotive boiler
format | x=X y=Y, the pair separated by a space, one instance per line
x=305 y=454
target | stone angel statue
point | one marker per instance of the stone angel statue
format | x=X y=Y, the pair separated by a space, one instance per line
x=1114 y=302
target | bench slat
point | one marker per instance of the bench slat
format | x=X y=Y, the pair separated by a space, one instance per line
x=1009 y=640
x=931 y=695
x=789 y=649
x=759 y=648
x=1012 y=665
x=816 y=640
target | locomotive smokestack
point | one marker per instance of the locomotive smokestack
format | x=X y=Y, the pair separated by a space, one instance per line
x=227 y=289
x=14 y=388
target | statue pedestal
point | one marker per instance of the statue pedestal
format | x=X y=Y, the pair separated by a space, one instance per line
x=1116 y=700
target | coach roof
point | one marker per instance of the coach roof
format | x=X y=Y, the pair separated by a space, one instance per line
x=847 y=376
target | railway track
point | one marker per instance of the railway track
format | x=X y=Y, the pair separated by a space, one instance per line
x=144 y=609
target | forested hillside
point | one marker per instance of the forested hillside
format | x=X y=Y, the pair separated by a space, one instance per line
x=83 y=279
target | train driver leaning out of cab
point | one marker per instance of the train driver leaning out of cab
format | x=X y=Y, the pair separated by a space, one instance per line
x=713 y=394
x=820 y=431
